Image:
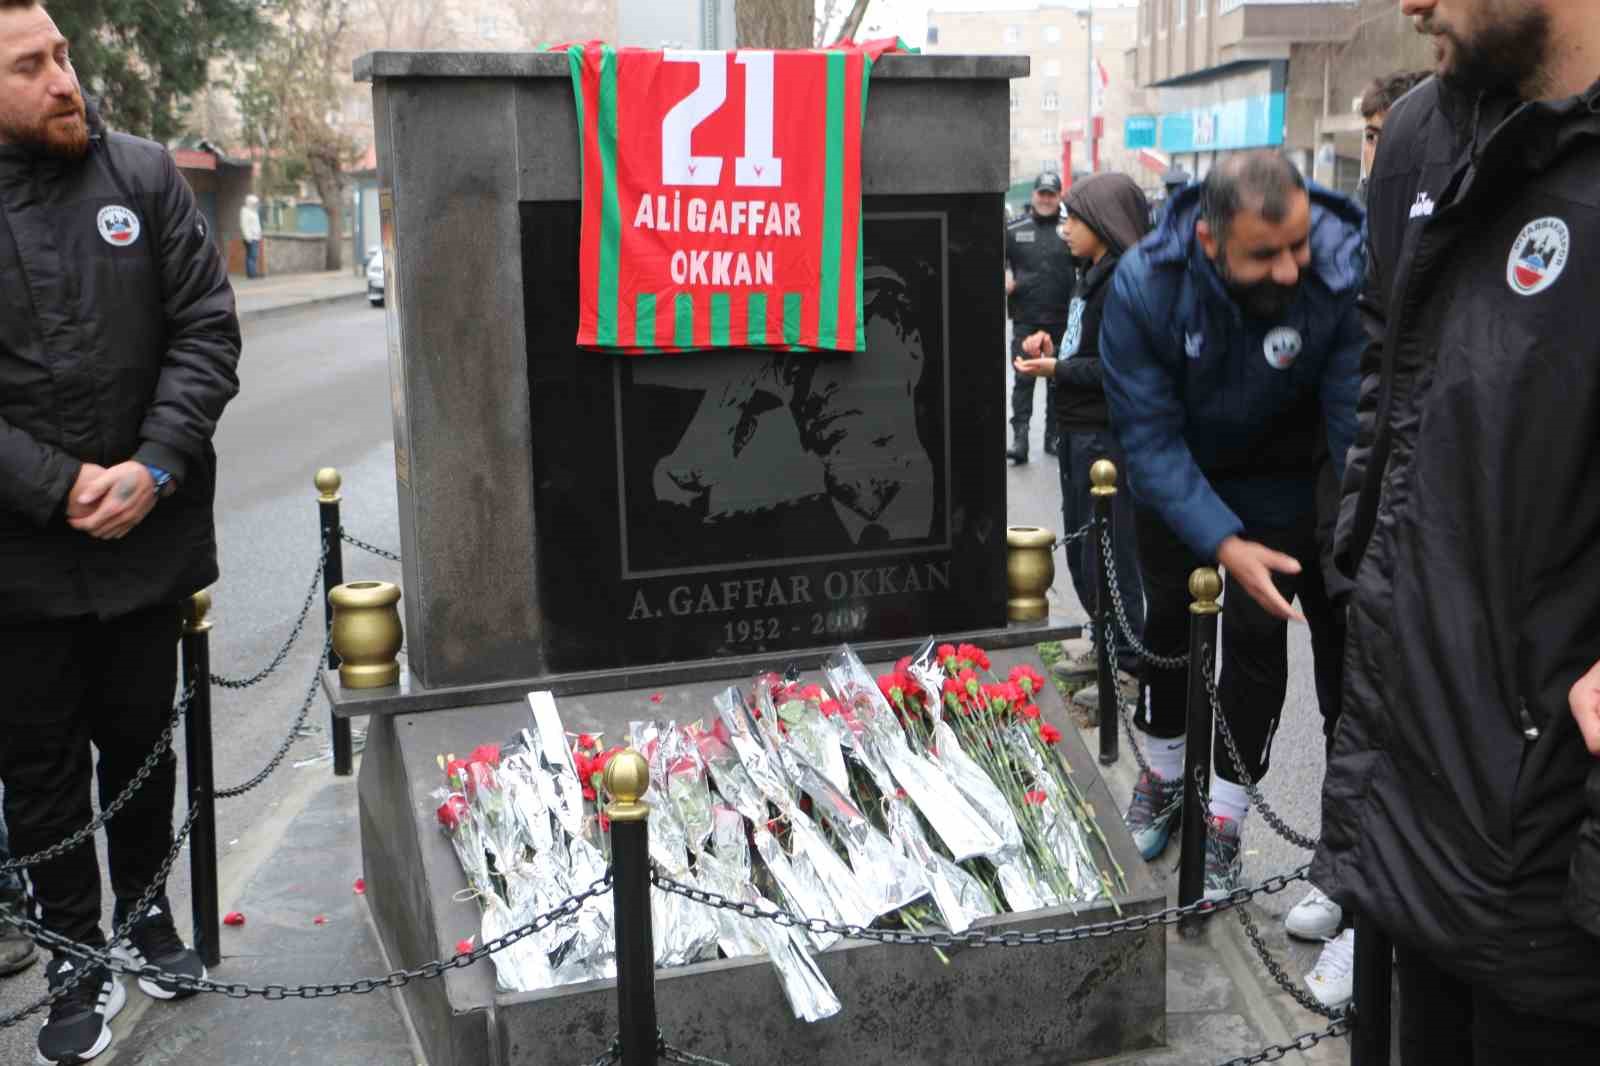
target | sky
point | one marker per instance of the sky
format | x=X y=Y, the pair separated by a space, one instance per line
x=909 y=18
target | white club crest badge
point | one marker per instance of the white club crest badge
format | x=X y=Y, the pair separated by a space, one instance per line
x=1538 y=256
x=119 y=227
x=1282 y=347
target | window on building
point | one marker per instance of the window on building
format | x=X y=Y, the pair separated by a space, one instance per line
x=1013 y=35
x=1052 y=68
x=1052 y=35
x=1016 y=100
x=933 y=35
x=1183 y=11
x=1049 y=136
x=1017 y=134
x=487 y=27
x=1052 y=102
x=1099 y=33
x=1200 y=7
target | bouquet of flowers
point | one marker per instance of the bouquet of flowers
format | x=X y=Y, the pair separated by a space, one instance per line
x=932 y=795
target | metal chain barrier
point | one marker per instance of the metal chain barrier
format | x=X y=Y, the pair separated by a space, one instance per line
x=1122 y=705
x=154 y=889
x=294 y=731
x=370 y=549
x=163 y=745
x=1303 y=1042
x=1268 y=815
x=1300 y=995
x=668 y=1053
x=1072 y=538
x=288 y=645
x=978 y=938
x=1109 y=561
x=360 y=987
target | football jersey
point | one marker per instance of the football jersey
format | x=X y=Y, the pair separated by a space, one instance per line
x=721 y=197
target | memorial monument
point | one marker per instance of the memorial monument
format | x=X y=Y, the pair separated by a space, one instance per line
x=629 y=532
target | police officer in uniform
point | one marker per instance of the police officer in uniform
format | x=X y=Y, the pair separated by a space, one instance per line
x=1039 y=279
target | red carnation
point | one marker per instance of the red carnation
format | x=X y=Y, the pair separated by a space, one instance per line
x=903 y=666
x=811 y=692
x=1035 y=797
x=489 y=753
x=455 y=772
x=1027 y=678
x=587 y=742
x=452 y=811
x=829 y=708
x=1049 y=733
x=973 y=654
x=1028 y=711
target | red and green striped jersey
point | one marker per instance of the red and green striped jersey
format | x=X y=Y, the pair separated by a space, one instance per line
x=721 y=197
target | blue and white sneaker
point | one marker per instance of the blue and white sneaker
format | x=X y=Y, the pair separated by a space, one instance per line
x=79 y=1026
x=1223 y=863
x=1155 y=806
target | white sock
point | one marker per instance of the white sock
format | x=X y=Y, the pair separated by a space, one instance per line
x=1229 y=800
x=1165 y=757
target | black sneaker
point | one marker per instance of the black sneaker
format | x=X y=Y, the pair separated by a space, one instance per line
x=79 y=1025
x=154 y=941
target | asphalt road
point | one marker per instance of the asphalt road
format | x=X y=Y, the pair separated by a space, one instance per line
x=314 y=392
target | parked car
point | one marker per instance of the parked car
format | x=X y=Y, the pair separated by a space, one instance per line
x=375 y=277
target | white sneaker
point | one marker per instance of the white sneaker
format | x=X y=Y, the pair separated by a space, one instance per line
x=1314 y=918
x=1332 y=979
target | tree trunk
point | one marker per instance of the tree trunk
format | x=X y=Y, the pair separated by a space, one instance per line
x=775 y=23
x=853 y=20
x=330 y=188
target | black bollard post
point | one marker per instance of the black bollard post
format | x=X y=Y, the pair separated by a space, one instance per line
x=1374 y=979
x=1103 y=475
x=328 y=482
x=627 y=777
x=1204 y=586
x=198 y=774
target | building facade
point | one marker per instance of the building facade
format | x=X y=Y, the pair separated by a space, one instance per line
x=1221 y=76
x=1049 y=107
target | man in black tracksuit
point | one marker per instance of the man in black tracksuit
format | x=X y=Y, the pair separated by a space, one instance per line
x=1039 y=278
x=1454 y=811
x=118 y=348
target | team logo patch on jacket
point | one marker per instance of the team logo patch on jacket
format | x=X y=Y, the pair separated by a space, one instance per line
x=1538 y=256
x=119 y=227
x=1282 y=347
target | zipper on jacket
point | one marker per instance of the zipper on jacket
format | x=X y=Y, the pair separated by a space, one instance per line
x=1530 y=732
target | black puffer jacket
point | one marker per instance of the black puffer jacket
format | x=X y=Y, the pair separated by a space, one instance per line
x=118 y=341
x=1454 y=799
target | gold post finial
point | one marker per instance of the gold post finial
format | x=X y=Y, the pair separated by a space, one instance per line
x=627 y=778
x=1205 y=585
x=194 y=610
x=328 y=482
x=1103 y=474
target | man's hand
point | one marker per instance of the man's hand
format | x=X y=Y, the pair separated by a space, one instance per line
x=113 y=501
x=1035 y=368
x=1011 y=283
x=1585 y=701
x=1252 y=566
x=88 y=474
x=1039 y=345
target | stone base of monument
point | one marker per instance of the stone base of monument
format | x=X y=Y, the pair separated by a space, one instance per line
x=903 y=1006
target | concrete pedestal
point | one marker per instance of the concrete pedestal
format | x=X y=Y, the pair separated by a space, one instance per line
x=1042 y=1005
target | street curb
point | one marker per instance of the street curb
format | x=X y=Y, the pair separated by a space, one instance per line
x=269 y=312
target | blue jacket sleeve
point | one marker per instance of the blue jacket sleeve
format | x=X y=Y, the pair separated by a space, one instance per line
x=1148 y=417
x=1341 y=386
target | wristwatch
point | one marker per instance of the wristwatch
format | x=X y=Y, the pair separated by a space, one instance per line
x=164 y=484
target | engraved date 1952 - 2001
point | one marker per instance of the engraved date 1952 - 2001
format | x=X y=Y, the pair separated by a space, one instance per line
x=838 y=622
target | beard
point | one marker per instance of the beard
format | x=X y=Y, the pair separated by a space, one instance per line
x=1264 y=300
x=63 y=134
x=1507 y=52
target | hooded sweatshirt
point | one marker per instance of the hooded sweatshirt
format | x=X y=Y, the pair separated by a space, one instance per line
x=1116 y=209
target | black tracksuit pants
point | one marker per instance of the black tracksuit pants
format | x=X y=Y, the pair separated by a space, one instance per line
x=69 y=685
x=1255 y=646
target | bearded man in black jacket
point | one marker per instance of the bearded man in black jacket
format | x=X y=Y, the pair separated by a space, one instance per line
x=1454 y=804
x=118 y=349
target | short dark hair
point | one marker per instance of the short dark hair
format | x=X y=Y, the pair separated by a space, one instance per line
x=1384 y=93
x=1263 y=180
x=7 y=5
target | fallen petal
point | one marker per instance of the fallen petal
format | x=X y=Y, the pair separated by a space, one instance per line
x=321 y=919
x=233 y=918
x=361 y=886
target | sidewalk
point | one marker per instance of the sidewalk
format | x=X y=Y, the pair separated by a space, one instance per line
x=262 y=296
